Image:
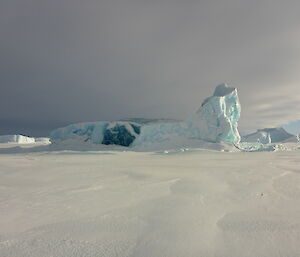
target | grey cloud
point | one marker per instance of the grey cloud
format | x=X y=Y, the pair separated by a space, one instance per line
x=70 y=60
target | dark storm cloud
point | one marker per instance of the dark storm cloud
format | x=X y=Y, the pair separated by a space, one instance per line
x=70 y=60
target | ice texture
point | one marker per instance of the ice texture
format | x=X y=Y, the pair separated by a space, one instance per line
x=215 y=121
x=270 y=135
x=260 y=147
x=20 y=139
x=118 y=133
x=43 y=140
x=80 y=131
x=217 y=118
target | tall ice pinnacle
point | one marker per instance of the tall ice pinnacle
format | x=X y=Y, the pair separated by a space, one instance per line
x=215 y=121
x=217 y=118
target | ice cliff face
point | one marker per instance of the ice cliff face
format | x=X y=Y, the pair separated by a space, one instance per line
x=108 y=133
x=120 y=134
x=217 y=118
x=215 y=121
x=270 y=135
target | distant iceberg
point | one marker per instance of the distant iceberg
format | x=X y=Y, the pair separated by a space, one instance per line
x=215 y=121
x=20 y=139
x=270 y=135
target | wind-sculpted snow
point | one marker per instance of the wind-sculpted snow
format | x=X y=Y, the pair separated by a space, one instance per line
x=188 y=203
x=215 y=121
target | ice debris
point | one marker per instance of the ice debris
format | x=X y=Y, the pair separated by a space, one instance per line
x=260 y=147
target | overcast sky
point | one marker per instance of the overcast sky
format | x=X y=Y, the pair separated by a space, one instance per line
x=64 y=61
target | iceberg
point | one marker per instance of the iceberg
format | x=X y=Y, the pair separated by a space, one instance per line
x=217 y=118
x=215 y=121
x=20 y=139
x=270 y=135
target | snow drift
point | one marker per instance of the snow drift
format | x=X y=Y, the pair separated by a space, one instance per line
x=215 y=121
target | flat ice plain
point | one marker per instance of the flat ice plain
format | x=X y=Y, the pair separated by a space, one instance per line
x=173 y=204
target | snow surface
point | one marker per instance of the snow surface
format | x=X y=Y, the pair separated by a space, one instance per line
x=45 y=140
x=187 y=203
